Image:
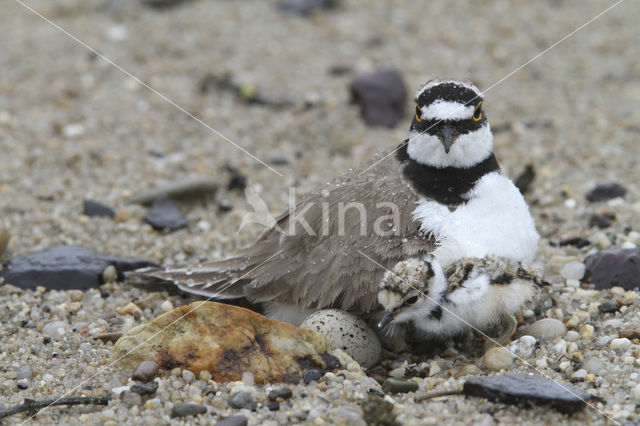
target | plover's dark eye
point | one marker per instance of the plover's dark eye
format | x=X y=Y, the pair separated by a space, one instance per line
x=412 y=300
x=418 y=114
x=477 y=112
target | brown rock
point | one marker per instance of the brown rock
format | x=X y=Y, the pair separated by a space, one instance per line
x=630 y=334
x=226 y=341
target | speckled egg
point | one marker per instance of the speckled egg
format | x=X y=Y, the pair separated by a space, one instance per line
x=347 y=332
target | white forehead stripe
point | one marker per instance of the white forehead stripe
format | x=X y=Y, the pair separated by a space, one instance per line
x=446 y=110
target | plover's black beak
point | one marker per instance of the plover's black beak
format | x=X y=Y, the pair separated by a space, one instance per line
x=386 y=319
x=447 y=136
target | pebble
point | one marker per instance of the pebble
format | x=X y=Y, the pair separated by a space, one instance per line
x=165 y=215
x=238 y=420
x=188 y=376
x=572 y=336
x=187 y=409
x=281 y=392
x=166 y=306
x=526 y=345
x=55 y=329
x=145 y=388
x=614 y=267
x=580 y=374
x=110 y=274
x=24 y=372
x=205 y=375
x=573 y=270
x=392 y=385
x=145 y=371
x=242 y=399
x=607 y=191
x=381 y=96
x=546 y=328
x=496 y=359
x=467 y=370
x=129 y=309
x=94 y=209
x=131 y=398
x=188 y=189
x=311 y=375
x=620 y=344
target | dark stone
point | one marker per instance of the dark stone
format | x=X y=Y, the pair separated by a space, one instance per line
x=187 y=409
x=145 y=388
x=377 y=411
x=311 y=375
x=242 y=399
x=65 y=268
x=273 y=406
x=381 y=97
x=165 y=215
x=523 y=181
x=282 y=392
x=608 y=307
x=22 y=385
x=145 y=371
x=332 y=362
x=305 y=7
x=578 y=242
x=92 y=209
x=604 y=192
x=601 y=221
x=528 y=390
x=392 y=385
x=613 y=267
x=279 y=160
x=238 y=420
x=162 y=4
x=237 y=179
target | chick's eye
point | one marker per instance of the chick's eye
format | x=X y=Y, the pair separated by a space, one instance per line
x=477 y=112
x=418 y=114
x=412 y=300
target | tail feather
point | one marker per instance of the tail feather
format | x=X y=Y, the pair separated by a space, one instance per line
x=220 y=280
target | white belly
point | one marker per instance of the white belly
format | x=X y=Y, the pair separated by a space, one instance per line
x=495 y=220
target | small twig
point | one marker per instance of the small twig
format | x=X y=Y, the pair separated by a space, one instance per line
x=438 y=394
x=32 y=407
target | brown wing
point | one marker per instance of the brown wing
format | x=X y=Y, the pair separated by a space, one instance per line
x=321 y=262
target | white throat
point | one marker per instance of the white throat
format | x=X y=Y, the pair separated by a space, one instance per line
x=467 y=151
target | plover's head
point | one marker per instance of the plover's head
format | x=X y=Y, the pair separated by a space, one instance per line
x=449 y=127
x=412 y=289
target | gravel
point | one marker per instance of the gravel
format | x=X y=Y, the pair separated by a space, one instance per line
x=74 y=128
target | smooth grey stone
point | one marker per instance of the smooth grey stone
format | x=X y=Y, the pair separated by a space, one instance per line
x=187 y=409
x=392 y=385
x=196 y=188
x=515 y=389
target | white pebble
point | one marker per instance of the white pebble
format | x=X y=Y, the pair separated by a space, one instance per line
x=573 y=283
x=572 y=270
x=621 y=343
x=188 y=376
x=570 y=203
x=572 y=336
x=572 y=348
x=580 y=374
x=561 y=346
x=563 y=366
x=526 y=345
x=166 y=306
x=541 y=364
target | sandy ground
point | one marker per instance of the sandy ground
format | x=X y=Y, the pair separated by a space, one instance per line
x=74 y=127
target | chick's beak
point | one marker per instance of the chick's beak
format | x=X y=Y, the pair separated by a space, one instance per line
x=386 y=319
x=447 y=136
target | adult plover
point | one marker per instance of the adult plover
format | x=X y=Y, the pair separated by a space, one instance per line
x=469 y=293
x=441 y=191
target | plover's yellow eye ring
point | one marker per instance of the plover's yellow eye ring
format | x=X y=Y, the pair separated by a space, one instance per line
x=418 y=114
x=477 y=112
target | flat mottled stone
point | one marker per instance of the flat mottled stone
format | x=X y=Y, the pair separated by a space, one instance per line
x=226 y=341
x=528 y=390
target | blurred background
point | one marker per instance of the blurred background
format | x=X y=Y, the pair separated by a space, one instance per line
x=288 y=82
